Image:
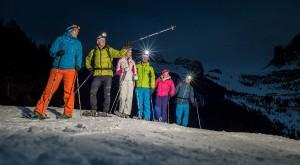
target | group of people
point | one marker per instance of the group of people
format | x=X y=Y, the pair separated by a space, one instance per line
x=68 y=60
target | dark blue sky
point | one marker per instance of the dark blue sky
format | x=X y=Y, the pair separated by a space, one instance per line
x=233 y=35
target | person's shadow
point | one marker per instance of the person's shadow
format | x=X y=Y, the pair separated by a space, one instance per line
x=27 y=111
x=55 y=112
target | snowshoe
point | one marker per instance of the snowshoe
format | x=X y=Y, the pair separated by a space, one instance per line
x=117 y=113
x=34 y=115
x=94 y=113
x=86 y=113
x=63 y=117
x=103 y=114
x=137 y=117
x=126 y=116
x=89 y=113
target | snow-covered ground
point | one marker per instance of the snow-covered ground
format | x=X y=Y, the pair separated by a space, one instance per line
x=114 y=140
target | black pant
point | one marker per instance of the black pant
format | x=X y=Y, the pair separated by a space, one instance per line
x=99 y=81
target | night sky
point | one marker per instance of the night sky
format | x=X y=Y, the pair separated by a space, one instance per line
x=232 y=35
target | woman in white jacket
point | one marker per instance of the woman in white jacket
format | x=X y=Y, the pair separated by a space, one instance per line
x=126 y=69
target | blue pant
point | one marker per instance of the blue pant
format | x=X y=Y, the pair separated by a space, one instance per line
x=143 y=100
x=182 y=110
x=161 y=106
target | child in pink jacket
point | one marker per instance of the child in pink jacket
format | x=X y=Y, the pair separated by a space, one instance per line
x=165 y=89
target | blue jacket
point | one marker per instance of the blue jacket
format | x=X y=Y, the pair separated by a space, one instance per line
x=73 y=52
x=185 y=93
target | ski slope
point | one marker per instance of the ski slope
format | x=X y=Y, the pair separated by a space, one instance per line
x=114 y=140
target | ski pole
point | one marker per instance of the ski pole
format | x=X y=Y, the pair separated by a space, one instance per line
x=198 y=113
x=77 y=90
x=114 y=101
x=79 y=101
x=138 y=104
x=72 y=89
x=117 y=96
x=152 y=109
x=154 y=34
x=118 y=102
x=168 y=111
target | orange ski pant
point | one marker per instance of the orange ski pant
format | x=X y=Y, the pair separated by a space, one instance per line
x=56 y=75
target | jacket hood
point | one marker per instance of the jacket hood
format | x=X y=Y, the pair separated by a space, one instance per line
x=167 y=78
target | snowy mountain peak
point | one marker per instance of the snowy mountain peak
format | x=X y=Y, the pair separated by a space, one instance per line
x=287 y=56
x=180 y=66
x=274 y=93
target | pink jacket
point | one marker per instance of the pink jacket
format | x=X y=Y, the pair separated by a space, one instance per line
x=165 y=87
x=126 y=64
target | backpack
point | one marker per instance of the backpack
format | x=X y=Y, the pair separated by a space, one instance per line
x=94 y=56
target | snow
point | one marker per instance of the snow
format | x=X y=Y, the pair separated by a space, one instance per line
x=232 y=83
x=113 y=140
x=253 y=98
x=290 y=119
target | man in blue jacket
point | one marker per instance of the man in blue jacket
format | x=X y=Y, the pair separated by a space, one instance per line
x=185 y=95
x=67 y=53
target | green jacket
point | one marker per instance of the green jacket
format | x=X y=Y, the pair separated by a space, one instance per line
x=146 y=76
x=101 y=60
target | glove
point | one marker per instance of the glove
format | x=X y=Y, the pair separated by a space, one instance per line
x=60 y=53
x=135 y=77
x=91 y=70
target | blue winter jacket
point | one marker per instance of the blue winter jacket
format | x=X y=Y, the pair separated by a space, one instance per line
x=73 y=52
x=185 y=93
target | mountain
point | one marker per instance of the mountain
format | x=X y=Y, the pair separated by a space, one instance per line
x=24 y=66
x=274 y=92
x=180 y=67
x=288 y=55
x=114 y=140
x=23 y=81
